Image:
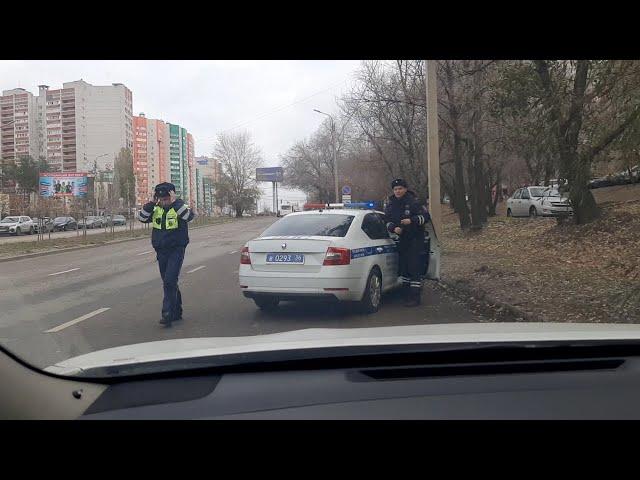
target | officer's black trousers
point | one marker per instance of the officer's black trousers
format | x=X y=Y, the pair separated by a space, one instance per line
x=170 y=263
x=410 y=252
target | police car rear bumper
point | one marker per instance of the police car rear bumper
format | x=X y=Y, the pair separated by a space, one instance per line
x=292 y=296
x=343 y=289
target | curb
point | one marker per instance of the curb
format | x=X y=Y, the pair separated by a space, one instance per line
x=477 y=297
x=82 y=247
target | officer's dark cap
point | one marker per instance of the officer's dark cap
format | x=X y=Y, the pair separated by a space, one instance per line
x=163 y=189
x=398 y=182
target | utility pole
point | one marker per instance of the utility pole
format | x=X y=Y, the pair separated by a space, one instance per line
x=433 y=154
x=335 y=156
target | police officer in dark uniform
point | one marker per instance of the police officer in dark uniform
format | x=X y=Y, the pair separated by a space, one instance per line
x=170 y=237
x=406 y=217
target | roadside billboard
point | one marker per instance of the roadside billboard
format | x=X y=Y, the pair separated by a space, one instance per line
x=271 y=174
x=64 y=184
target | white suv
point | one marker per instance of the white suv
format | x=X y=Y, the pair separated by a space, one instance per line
x=17 y=225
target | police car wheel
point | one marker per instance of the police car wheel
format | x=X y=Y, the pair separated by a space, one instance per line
x=372 y=295
x=267 y=303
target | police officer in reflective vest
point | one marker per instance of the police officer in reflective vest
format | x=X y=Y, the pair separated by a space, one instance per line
x=170 y=236
x=406 y=217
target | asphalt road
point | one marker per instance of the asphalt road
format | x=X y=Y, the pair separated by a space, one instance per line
x=59 y=306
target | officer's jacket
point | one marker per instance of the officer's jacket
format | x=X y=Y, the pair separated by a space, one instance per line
x=408 y=206
x=170 y=227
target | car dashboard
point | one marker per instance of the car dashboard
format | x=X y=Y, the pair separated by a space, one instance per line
x=592 y=388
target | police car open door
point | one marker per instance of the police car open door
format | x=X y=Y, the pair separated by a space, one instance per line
x=432 y=251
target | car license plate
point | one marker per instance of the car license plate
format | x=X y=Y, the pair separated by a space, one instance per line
x=295 y=258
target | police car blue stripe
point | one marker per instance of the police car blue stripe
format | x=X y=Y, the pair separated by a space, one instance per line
x=368 y=251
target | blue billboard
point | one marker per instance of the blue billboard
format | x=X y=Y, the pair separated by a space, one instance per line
x=270 y=174
x=63 y=184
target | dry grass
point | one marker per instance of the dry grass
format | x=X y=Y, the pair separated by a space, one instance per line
x=571 y=273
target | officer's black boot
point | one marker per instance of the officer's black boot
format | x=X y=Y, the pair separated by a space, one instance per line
x=414 y=297
x=406 y=292
x=166 y=321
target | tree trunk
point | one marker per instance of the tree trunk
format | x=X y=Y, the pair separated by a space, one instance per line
x=460 y=203
x=585 y=208
x=476 y=222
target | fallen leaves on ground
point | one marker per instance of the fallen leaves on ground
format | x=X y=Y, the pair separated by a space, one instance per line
x=574 y=273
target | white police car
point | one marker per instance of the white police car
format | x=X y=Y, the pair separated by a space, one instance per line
x=328 y=252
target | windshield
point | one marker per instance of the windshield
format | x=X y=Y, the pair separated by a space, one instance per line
x=284 y=224
x=322 y=225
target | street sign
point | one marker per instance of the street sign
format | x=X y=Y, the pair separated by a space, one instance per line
x=346 y=190
x=346 y=198
x=270 y=174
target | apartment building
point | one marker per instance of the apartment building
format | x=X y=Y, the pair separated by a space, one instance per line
x=76 y=128
x=150 y=155
x=208 y=172
x=18 y=125
x=163 y=152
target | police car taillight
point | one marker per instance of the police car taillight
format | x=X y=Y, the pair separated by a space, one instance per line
x=337 y=256
x=245 y=259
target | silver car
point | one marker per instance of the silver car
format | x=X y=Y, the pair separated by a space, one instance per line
x=525 y=202
x=555 y=204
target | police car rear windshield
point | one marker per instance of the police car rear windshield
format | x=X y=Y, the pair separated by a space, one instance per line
x=327 y=225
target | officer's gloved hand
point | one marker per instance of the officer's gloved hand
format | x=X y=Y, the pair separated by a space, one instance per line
x=148 y=207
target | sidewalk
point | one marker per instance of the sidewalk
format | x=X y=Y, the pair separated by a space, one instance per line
x=35 y=248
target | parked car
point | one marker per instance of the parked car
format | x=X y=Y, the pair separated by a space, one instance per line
x=64 y=224
x=47 y=224
x=92 y=222
x=17 y=225
x=555 y=204
x=620 y=178
x=116 y=220
x=525 y=202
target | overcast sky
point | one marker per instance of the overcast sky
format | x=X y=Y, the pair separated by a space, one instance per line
x=208 y=97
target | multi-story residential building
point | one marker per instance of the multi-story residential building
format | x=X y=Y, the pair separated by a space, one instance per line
x=18 y=125
x=192 y=194
x=208 y=172
x=82 y=126
x=163 y=152
x=180 y=154
x=150 y=155
x=141 y=160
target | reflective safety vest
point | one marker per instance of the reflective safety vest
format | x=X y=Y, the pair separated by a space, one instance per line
x=171 y=222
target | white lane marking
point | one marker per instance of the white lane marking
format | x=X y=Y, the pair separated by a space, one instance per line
x=66 y=271
x=144 y=253
x=235 y=251
x=77 y=320
x=196 y=269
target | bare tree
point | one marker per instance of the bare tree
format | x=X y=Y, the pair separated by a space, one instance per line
x=585 y=106
x=240 y=157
